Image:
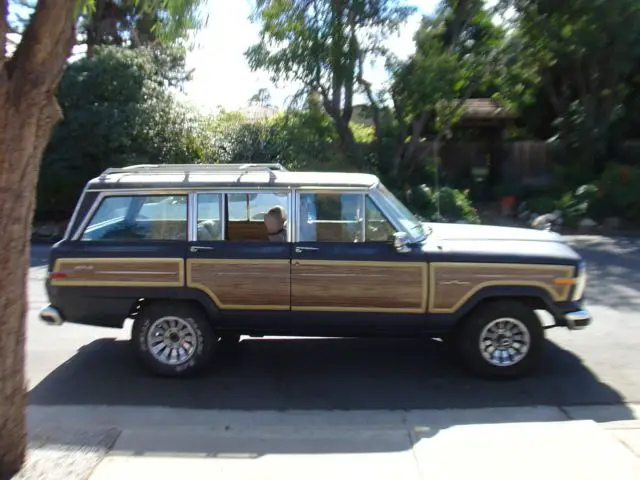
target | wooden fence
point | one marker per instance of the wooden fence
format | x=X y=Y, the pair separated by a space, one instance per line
x=525 y=162
x=528 y=161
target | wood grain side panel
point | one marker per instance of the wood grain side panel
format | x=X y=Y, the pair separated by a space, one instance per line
x=453 y=284
x=125 y=272
x=243 y=284
x=359 y=286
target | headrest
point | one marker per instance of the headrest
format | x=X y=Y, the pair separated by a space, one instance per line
x=274 y=220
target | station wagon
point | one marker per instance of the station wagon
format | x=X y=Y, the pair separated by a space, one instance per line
x=200 y=255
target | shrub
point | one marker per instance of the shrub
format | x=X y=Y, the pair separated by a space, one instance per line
x=576 y=205
x=541 y=204
x=618 y=195
x=455 y=205
x=116 y=112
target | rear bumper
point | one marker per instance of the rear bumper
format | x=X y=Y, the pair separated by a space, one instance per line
x=51 y=316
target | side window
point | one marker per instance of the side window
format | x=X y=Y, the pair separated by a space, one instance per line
x=259 y=216
x=377 y=227
x=139 y=218
x=209 y=213
x=331 y=217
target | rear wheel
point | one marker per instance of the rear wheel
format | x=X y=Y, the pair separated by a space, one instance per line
x=173 y=339
x=502 y=339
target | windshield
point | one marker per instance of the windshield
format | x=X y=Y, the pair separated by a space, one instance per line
x=408 y=220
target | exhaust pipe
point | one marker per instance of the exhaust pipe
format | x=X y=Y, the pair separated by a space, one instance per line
x=51 y=316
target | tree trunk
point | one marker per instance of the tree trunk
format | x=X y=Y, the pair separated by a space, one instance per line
x=28 y=113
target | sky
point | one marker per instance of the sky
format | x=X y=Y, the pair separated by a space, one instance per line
x=222 y=77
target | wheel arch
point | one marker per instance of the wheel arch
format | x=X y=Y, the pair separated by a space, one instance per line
x=535 y=298
x=198 y=299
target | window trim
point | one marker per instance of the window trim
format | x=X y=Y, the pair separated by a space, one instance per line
x=74 y=217
x=193 y=217
x=103 y=196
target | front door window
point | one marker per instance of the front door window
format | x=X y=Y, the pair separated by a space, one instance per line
x=342 y=217
x=331 y=217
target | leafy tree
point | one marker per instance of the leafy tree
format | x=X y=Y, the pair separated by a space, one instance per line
x=125 y=23
x=302 y=139
x=584 y=53
x=324 y=45
x=457 y=51
x=117 y=111
x=262 y=97
x=29 y=77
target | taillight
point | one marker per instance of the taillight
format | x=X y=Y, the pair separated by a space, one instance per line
x=57 y=276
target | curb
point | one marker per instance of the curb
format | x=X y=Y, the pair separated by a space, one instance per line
x=60 y=448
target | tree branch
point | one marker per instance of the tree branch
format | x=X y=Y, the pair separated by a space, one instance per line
x=45 y=45
x=374 y=103
x=553 y=96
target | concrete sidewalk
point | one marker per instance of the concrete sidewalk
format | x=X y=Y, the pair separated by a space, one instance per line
x=530 y=442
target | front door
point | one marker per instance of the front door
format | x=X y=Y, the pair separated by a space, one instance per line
x=344 y=259
x=233 y=260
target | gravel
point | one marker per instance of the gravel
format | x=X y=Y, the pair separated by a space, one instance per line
x=66 y=454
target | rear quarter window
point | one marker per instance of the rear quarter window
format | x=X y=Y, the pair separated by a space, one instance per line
x=138 y=218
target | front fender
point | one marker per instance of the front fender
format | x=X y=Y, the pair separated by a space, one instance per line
x=537 y=297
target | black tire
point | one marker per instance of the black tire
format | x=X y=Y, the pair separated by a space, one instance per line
x=470 y=331
x=195 y=322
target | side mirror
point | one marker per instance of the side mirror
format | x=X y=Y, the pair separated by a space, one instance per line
x=401 y=242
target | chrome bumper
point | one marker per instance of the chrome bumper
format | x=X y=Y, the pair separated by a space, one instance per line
x=51 y=316
x=578 y=320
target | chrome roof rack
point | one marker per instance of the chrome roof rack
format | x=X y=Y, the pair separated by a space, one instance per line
x=197 y=168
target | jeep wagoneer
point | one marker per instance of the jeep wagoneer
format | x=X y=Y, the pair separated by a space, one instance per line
x=198 y=255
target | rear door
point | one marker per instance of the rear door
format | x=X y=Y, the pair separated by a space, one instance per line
x=231 y=258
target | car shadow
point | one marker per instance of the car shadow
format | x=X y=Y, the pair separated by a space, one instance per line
x=317 y=374
x=306 y=385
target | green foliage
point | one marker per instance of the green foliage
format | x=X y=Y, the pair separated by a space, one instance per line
x=618 y=192
x=298 y=139
x=117 y=111
x=455 y=205
x=541 y=204
x=126 y=23
x=582 y=54
x=324 y=46
x=578 y=204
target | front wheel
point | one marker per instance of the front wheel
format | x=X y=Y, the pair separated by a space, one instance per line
x=173 y=339
x=502 y=339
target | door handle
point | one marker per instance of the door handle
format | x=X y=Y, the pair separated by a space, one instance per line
x=196 y=248
x=306 y=249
